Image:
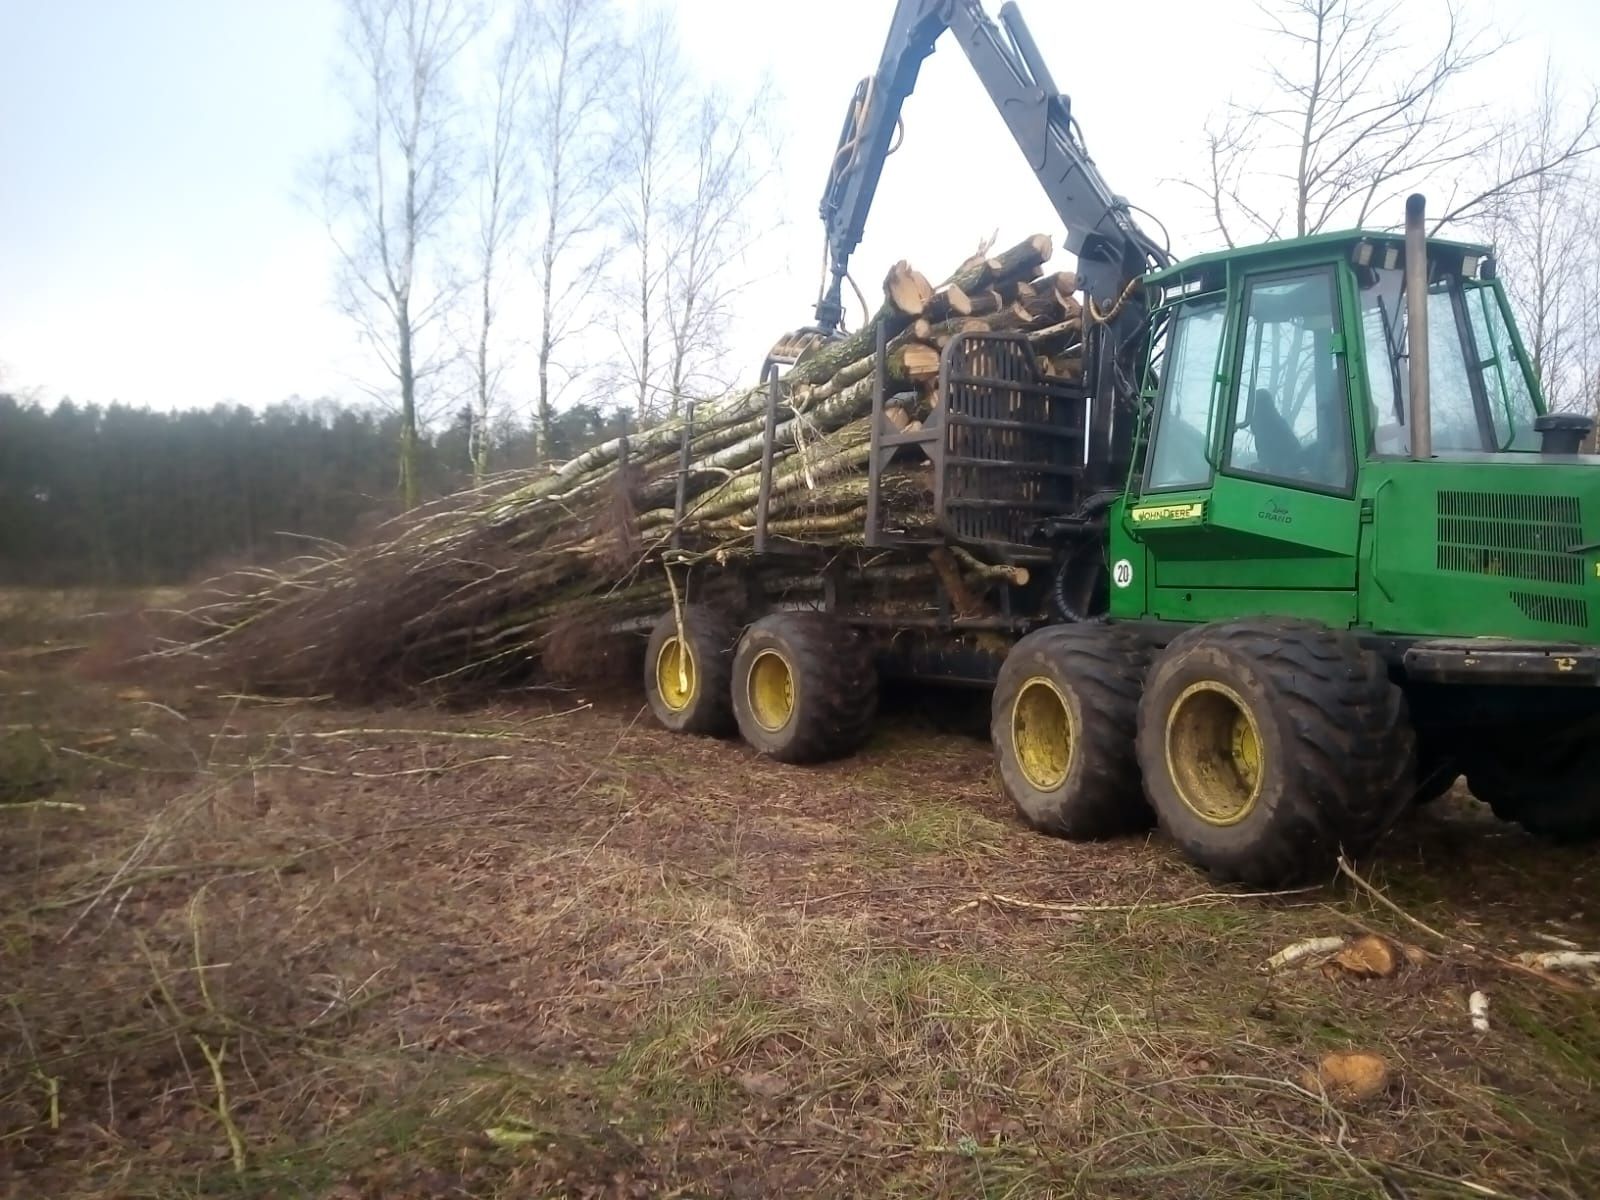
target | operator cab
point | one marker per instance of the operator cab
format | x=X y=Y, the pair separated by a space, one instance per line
x=1275 y=468
x=1296 y=367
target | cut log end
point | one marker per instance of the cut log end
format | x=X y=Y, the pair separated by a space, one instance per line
x=950 y=301
x=907 y=290
x=915 y=361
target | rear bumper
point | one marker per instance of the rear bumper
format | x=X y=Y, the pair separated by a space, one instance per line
x=1504 y=663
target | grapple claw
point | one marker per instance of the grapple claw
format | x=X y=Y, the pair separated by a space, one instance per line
x=786 y=351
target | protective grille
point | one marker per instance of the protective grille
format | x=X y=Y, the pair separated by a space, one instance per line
x=1013 y=448
x=1514 y=535
x=1553 y=610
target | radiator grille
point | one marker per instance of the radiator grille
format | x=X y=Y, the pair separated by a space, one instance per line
x=1512 y=535
x=1553 y=610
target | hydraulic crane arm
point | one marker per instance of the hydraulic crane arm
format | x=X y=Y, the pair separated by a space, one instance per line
x=1110 y=246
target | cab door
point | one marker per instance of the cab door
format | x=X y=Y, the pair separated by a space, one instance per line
x=1277 y=530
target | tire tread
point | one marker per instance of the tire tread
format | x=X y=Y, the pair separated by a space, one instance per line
x=712 y=637
x=1106 y=667
x=838 y=684
x=1350 y=748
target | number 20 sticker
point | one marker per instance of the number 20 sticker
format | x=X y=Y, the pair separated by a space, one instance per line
x=1122 y=573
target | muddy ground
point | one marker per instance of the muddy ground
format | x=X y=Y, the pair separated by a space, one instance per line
x=543 y=948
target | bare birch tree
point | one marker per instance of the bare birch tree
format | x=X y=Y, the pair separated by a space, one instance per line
x=653 y=91
x=711 y=226
x=390 y=194
x=1543 y=236
x=1350 y=118
x=502 y=186
x=694 y=160
x=574 y=160
x=1583 y=394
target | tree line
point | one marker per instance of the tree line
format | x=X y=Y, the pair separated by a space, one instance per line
x=129 y=496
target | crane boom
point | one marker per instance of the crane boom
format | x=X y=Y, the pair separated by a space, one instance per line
x=1110 y=246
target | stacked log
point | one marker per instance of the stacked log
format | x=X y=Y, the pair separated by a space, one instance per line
x=472 y=590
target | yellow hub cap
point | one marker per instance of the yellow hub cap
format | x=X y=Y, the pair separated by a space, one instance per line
x=676 y=678
x=1214 y=753
x=770 y=688
x=1042 y=733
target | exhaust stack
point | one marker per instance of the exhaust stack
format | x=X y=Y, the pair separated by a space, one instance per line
x=1417 y=326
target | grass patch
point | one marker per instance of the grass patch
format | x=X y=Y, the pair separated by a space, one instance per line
x=939 y=827
x=28 y=769
x=51 y=619
x=450 y=1127
x=1567 y=1044
x=688 y=1058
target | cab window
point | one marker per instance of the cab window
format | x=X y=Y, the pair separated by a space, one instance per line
x=1291 y=413
x=1458 y=362
x=1178 y=454
x=1511 y=404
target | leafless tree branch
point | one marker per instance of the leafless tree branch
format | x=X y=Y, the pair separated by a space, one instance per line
x=391 y=192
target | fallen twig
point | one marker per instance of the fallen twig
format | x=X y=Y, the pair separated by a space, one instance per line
x=1559 y=942
x=1587 y=961
x=1204 y=898
x=432 y=770
x=214 y=1058
x=224 y=1113
x=132 y=879
x=275 y=701
x=491 y=735
x=1478 y=1009
x=1350 y=872
x=117 y=763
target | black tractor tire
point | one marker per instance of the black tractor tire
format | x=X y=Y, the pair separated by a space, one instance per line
x=1552 y=791
x=1063 y=719
x=1268 y=746
x=705 y=706
x=805 y=687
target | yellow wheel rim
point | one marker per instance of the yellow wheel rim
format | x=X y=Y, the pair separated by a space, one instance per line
x=1214 y=753
x=770 y=687
x=1043 y=733
x=676 y=677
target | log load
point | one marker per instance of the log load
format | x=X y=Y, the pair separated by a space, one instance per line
x=487 y=585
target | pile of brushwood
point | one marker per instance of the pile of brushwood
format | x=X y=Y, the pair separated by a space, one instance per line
x=497 y=583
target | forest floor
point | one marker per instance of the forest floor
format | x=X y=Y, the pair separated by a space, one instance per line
x=543 y=948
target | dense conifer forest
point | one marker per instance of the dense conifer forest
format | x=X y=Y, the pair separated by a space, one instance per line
x=130 y=496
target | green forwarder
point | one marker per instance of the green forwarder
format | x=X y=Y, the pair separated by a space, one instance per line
x=1302 y=547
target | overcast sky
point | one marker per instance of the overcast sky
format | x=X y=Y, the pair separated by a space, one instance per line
x=155 y=247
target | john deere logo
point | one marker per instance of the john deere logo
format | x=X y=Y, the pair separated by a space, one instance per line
x=1168 y=512
x=1276 y=512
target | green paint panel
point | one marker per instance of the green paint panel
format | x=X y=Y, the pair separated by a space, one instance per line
x=1219 y=604
x=1483 y=548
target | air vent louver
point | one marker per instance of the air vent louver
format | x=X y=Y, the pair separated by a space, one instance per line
x=1513 y=535
x=1553 y=610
